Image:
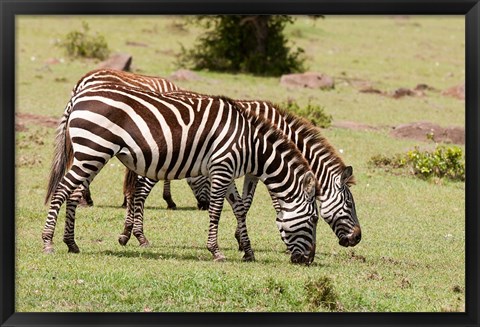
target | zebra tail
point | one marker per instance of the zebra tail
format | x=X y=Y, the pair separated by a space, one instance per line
x=129 y=182
x=63 y=154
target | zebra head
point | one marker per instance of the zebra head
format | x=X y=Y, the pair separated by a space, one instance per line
x=338 y=209
x=297 y=222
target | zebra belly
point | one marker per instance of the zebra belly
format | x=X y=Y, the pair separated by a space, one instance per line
x=125 y=156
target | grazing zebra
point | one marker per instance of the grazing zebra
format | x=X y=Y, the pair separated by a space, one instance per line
x=333 y=176
x=168 y=136
x=156 y=84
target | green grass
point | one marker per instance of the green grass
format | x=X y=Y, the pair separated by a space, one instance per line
x=412 y=253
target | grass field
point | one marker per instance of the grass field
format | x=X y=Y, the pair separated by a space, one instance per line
x=412 y=253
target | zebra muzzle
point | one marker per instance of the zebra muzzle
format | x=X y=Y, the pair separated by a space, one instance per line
x=301 y=258
x=353 y=238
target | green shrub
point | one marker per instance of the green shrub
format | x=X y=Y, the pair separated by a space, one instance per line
x=443 y=162
x=82 y=44
x=249 y=44
x=314 y=113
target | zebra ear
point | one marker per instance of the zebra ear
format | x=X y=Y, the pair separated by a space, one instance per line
x=309 y=184
x=347 y=175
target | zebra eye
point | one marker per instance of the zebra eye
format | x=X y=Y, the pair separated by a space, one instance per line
x=314 y=219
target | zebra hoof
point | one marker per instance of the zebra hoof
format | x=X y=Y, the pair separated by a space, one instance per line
x=174 y=207
x=123 y=239
x=48 y=250
x=145 y=244
x=203 y=205
x=219 y=258
x=73 y=249
x=248 y=258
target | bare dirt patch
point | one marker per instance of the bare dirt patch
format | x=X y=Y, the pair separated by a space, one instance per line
x=22 y=120
x=457 y=91
x=417 y=91
x=421 y=130
x=312 y=80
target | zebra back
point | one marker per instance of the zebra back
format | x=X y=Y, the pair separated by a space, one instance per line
x=111 y=76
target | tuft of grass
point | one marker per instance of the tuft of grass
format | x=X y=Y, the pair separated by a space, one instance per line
x=321 y=293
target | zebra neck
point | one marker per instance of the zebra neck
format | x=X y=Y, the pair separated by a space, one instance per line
x=278 y=168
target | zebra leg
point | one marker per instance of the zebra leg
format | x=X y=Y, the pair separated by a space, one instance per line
x=200 y=186
x=129 y=183
x=86 y=198
x=167 y=196
x=69 y=232
x=240 y=212
x=128 y=225
x=142 y=190
x=69 y=183
x=249 y=187
x=217 y=196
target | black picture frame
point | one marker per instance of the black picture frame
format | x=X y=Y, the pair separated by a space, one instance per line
x=11 y=8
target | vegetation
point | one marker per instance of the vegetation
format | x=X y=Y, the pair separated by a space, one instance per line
x=83 y=44
x=412 y=253
x=314 y=113
x=321 y=293
x=443 y=162
x=248 y=44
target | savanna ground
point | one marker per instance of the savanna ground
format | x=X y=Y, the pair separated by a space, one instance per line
x=411 y=257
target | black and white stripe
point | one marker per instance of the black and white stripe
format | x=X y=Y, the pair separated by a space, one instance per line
x=337 y=206
x=110 y=76
x=174 y=136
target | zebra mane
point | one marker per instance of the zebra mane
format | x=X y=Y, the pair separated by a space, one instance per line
x=308 y=129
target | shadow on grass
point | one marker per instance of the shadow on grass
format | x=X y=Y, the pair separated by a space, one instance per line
x=203 y=255
x=153 y=255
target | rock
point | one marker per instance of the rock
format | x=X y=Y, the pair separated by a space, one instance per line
x=119 y=61
x=309 y=79
x=456 y=91
x=184 y=75
x=420 y=130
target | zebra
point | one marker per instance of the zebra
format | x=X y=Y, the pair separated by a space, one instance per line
x=337 y=206
x=152 y=83
x=168 y=136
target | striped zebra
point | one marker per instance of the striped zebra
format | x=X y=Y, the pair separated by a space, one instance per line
x=337 y=206
x=156 y=84
x=168 y=136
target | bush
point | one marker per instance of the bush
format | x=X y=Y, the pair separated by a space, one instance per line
x=314 y=113
x=82 y=44
x=249 y=44
x=443 y=162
